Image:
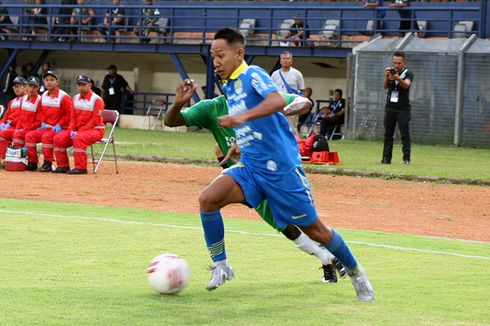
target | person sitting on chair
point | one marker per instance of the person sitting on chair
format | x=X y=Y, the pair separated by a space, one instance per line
x=86 y=128
x=333 y=115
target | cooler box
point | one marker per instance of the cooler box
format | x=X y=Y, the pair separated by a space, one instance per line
x=15 y=159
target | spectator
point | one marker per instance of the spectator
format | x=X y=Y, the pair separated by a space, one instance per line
x=405 y=15
x=333 y=115
x=7 y=84
x=63 y=20
x=11 y=118
x=113 y=20
x=86 y=128
x=30 y=116
x=28 y=71
x=149 y=19
x=82 y=16
x=113 y=87
x=378 y=14
x=5 y=23
x=289 y=80
x=94 y=88
x=397 y=82
x=44 y=69
x=299 y=32
x=307 y=92
x=37 y=18
x=57 y=107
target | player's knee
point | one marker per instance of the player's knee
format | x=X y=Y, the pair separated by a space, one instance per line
x=291 y=232
x=208 y=202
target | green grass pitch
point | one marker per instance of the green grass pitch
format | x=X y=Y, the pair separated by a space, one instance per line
x=67 y=264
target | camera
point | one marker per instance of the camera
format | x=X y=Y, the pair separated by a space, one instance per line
x=392 y=71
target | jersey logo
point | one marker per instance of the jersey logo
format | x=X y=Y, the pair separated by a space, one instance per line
x=295 y=217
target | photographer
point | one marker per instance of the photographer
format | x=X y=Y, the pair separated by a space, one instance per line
x=397 y=111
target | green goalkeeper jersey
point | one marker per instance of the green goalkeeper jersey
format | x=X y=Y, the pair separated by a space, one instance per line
x=205 y=114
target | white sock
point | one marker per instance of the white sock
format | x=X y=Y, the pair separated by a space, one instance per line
x=304 y=243
x=222 y=263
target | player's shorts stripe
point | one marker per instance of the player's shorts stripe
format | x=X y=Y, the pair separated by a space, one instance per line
x=305 y=183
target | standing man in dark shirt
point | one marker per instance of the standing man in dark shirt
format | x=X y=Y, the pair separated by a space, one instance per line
x=113 y=87
x=397 y=111
x=333 y=115
x=405 y=15
x=7 y=84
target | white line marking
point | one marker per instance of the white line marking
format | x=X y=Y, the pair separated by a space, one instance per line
x=102 y=219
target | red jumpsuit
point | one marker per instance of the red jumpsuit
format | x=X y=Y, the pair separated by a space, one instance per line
x=30 y=119
x=56 y=111
x=87 y=121
x=12 y=116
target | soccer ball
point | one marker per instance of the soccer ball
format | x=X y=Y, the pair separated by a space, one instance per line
x=168 y=274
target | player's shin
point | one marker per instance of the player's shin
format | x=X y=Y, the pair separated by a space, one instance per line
x=304 y=243
x=341 y=251
x=214 y=233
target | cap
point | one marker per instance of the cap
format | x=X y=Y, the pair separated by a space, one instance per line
x=112 y=67
x=33 y=81
x=51 y=73
x=84 y=79
x=19 y=80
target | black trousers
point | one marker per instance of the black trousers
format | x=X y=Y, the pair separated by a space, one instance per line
x=392 y=118
x=327 y=125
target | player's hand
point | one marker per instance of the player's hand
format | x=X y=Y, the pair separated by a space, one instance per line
x=387 y=72
x=184 y=92
x=233 y=154
x=57 y=129
x=230 y=121
x=73 y=134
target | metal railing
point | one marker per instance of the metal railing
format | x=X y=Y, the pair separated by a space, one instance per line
x=139 y=102
x=195 y=23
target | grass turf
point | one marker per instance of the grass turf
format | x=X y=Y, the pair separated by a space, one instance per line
x=76 y=264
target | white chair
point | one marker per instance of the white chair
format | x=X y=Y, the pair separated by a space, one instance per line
x=463 y=29
x=247 y=27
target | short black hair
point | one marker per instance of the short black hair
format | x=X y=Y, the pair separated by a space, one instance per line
x=230 y=35
x=339 y=91
x=399 y=54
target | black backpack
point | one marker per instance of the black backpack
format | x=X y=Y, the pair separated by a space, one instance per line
x=320 y=144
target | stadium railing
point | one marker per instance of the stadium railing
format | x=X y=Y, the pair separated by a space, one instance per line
x=196 y=22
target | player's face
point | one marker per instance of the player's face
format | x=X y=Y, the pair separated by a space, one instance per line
x=32 y=90
x=83 y=88
x=226 y=58
x=286 y=61
x=50 y=83
x=398 y=63
x=337 y=96
x=19 y=89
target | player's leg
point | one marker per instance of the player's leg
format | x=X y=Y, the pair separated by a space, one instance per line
x=221 y=192
x=303 y=243
x=81 y=141
x=389 y=124
x=47 y=149
x=31 y=139
x=5 y=139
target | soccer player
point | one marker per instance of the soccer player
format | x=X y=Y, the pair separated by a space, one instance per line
x=205 y=115
x=269 y=166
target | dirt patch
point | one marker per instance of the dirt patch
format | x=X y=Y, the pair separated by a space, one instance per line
x=349 y=202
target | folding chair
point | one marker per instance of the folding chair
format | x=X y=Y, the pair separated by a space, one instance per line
x=156 y=104
x=337 y=131
x=109 y=116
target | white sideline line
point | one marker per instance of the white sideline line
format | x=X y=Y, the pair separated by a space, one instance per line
x=448 y=253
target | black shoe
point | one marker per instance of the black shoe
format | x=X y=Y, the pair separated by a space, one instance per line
x=384 y=161
x=329 y=274
x=61 y=170
x=77 y=171
x=46 y=167
x=406 y=162
x=31 y=166
x=339 y=267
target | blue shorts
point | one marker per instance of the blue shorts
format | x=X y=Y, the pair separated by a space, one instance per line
x=289 y=195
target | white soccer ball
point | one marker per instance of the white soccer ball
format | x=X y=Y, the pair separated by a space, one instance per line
x=168 y=274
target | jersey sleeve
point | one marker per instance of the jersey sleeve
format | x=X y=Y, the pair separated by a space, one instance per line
x=199 y=114
x=409 y=76
x=262 y=82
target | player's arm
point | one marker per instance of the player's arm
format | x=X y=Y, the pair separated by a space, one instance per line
x=300 y=105
x=274 y=102
x=183 y=94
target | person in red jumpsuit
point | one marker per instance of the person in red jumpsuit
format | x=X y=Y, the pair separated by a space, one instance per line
x=30 y=116
x=57 y=107
x=86 y=128
x=12 y=115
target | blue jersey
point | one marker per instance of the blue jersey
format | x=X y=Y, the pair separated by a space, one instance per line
x=267 y=143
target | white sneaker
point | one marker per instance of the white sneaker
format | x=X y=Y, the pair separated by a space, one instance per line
x=220 y=274
x=363 y=287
